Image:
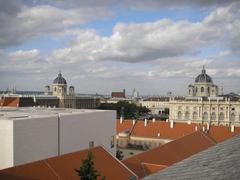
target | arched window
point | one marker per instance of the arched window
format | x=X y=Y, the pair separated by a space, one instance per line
x=187 y=115
x=189 y=92
x=196 y=89
x=232 y=117
x=194 y=115
x=179 y=115
x=55 y=89
x=213 y=116
x=208 y=89
x=205 y=116
x=221 y=116
x=202 y=89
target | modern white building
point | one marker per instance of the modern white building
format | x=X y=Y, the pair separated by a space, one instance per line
x=31 y=134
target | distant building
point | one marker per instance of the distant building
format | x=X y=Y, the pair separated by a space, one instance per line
x=119 y=94
x=58 y=97
x=206 y=104
x=31 y=134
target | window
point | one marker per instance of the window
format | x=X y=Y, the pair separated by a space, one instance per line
x=194 y=115
x=91 y=144
x=179 y=115
x=221 y=116
x=232 y=117
x=205 y=116
x=196 y=89
x=187 y=115
x=202 y=89
x=208 y=89
x=213 y=116
x=112 y=141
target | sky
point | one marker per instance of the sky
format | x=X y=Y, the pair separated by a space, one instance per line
x=100 y=46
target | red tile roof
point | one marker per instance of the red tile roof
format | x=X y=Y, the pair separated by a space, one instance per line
x=217 y=133
x=10 y=101
x=63 y=167
x=118 y=95
x=152 y=168
x=170 y=153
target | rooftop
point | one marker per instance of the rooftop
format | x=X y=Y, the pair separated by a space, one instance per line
x=163 y=156
x=162 y=128
x=63 y=167
x=8 y=113
x=221 y=161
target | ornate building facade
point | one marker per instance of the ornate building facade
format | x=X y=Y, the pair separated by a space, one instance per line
x=206 y=103
x=68 y=98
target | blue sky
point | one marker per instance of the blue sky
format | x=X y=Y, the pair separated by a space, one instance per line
x=107 y=45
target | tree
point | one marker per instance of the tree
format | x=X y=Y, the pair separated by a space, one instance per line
x=119 y=155
x=87 y=171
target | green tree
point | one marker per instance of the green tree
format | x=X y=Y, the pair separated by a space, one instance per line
x=87 y=171
x=119 y=155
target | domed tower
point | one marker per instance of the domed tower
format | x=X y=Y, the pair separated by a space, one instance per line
x=203 y=86
x=59 y=86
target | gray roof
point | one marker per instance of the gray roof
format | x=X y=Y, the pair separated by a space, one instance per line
x=221 y=161
x=203 y=77
x=59 y=80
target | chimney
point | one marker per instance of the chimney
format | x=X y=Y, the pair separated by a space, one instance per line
x=196 y=128
x=153 y=120
x=121 y=120
x=208 y=126
x=188 y=122
x=171 y=124
x=158 y=135
x=232 y=128
x=134 y=121
x=145 y=122
x=203 y=128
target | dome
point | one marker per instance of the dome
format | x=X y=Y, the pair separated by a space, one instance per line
x=203 y=77
x=59 y=80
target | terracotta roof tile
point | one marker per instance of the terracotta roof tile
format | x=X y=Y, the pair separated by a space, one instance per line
x=62 y=167
x=10 y=101
x=171 y=152
x=217 y=133
x=118 y=95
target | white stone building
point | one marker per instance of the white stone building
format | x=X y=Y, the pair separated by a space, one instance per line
x=31 y=134
x=206 y=103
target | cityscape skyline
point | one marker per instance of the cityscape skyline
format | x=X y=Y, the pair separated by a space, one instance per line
x=106 y=46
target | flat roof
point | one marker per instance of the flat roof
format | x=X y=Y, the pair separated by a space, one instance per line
x=9 y=113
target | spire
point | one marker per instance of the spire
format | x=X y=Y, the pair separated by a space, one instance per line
x=203 y=70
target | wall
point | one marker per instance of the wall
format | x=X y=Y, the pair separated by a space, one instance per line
x=6 y=143
x=35 y=139
x=77 y=130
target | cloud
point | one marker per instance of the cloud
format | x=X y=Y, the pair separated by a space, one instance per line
x=20 y=23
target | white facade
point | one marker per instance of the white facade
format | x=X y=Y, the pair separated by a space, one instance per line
x=30 y=134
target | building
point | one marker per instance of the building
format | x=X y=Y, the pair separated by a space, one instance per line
x=63 y=167
x=205 y=104
x=58 y=97
x=30 y=134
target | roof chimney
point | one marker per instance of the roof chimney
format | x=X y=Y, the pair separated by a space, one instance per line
x=121 y=120
x=188 y=122
x=134 y=121
x=145 y=122
x=232 y=128
x=158 y=134
x=196 y=128
x=153 y=120
x=208 y=126
x=171 y=124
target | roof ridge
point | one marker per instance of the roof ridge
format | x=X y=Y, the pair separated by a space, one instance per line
x=209 y=137
x=120 y=162
x=154 y=164
x=52 y=169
